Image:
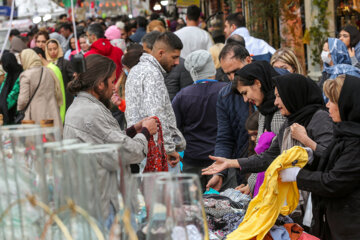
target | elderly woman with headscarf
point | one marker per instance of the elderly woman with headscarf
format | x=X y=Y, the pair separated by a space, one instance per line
x=54 y=54
x=40 y=85
x=9 y=90
x=307 y=124
x=335 y=183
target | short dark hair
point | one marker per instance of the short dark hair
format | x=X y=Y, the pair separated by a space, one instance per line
x=96 y=29
x=236 y=38
x=236 y=18
x=66 y=26
x=193 y=13
x=154 y=16
x=134 y=46
x=141 y=21
x=14 y=32
x=40 y=51
x=171 y=40
x=62 y=16
x=150 y=38
x=239 y=52
x=252 y=122
x=89 y=79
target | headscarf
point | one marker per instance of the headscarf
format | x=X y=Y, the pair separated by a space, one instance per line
x=30 y=59
x=13 y=69
x=349 y=100
x=17 y=45
x=354 y=34
x=264 y=72
x=341 y=60
x=60 y=51
x=301 y=96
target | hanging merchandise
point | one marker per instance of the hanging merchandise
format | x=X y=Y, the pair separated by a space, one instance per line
x=156 y=157
x=265 y=208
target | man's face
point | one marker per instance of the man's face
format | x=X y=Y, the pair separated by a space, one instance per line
x=123 y=34
x=230 y=65
x=65 y=32
x=104 y=92
x=91 y=37
x=168 y=59
x=228 y=29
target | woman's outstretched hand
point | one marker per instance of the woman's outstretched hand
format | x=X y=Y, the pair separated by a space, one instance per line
x=219 y=165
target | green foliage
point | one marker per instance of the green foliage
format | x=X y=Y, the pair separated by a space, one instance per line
x=319 y=31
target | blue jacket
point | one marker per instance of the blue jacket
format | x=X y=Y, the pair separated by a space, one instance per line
x=138 y=35
x=232 y=112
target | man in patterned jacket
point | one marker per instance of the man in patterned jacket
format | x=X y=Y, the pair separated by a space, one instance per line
x=146 y=93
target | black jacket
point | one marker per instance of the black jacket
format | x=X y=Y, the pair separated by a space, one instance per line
x=177 y=79
x=336 y=190
x=67 y=74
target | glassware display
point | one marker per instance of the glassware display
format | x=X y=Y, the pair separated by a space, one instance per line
x=177 y=210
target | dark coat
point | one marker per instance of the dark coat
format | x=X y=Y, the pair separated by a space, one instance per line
x=336 y=190
x=177 y=79
x=67 y=74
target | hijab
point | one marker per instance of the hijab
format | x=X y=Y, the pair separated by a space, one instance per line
x=341 y=60
x=301 y=97
x=13 y=70
x=30 y=59
x=349 y=108
x=17 y=45
x=60 y=51
x=264 y=72
x=354 y=34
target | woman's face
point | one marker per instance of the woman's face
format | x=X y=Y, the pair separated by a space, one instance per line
x=283 y=65
x=334 y=111
x=72 y=43
x=252 y=94
x=279 y=103
x=345 y=37
x=83 y=44
x=40 y=42
x=53 y=50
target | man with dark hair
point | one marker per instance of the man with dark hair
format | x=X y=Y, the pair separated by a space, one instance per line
x=141 y=29
x=149 y=39
x=178 y=77
x=146 y=93
x=258 y=48
x=16 y=43
x=101 y=45
x=67 y=32
x=193 y=37
x=232 y=112
x=63 y=18
x=236 y=39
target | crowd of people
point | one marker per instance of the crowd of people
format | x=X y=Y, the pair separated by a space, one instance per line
x=231 y=107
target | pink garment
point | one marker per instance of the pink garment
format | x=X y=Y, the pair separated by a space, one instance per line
x=264 y=143
x=306 y=236
x=112 y=33
x=32 y=43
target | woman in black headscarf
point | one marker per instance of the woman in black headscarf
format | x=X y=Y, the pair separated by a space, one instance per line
x=9 y=90
x=335 y=185
x=307 y=124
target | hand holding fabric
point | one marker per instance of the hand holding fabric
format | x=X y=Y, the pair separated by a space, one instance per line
x=219 y=165
x=244 y=189
x=298 y=132
x=289 y=174
x=215 y=182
